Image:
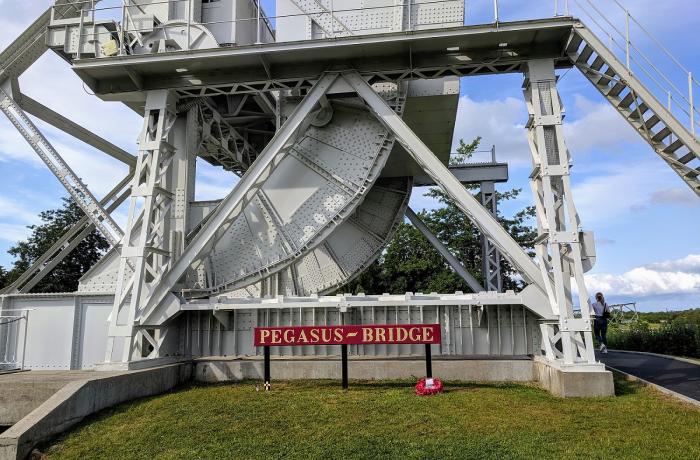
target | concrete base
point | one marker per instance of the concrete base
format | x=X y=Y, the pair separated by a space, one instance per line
x=22 y=392
x=80 y=398
x=211 y=370
x=581 y=381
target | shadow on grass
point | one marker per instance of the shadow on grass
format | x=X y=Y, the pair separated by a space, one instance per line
x=625 y=387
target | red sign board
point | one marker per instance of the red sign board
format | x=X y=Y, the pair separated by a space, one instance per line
x=347 y=335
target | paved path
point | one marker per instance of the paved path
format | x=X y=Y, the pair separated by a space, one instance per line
x=679 y=376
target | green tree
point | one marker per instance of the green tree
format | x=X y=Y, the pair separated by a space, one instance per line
x=63 y=278
x=411 y=264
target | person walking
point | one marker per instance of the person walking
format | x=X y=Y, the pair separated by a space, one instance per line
x=600 y=323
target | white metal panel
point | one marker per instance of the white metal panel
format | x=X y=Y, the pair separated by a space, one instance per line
x=94 y=325
x=49 y=332
x=310 y=193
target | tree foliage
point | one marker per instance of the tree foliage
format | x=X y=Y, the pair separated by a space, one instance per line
x=63 y=278
x=411 y=264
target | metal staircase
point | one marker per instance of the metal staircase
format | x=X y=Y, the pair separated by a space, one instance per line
x=654 y=122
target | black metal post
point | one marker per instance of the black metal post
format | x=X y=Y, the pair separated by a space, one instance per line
x=344 y=364
x=428 y=362
x=267 y=367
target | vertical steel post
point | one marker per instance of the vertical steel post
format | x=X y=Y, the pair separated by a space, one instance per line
x=490 y=255
x=409 y=26
x=428 y=361
x=627 y=39
x=495 y=11
x=24 y=342
x=266 y=366
x=258 y=21
x=692 y=103
x=344 y=365
x=123 y=29
x=189 y=24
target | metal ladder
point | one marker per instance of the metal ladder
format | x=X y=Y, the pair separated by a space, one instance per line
x=670 y=139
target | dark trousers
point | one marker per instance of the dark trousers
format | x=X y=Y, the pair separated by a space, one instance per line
x=600 y=330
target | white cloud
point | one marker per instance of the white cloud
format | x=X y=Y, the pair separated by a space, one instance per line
x=673 y=277
x=689 y=264
x=10 y=209
x=674 y=195
x=499 y=122
x=600 y=128
x=611 y=195
x=13 y=233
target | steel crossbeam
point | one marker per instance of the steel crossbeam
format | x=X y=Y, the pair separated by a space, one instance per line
x=75 y=187
x=74 y=129
x=444 y=251
x=68 y=242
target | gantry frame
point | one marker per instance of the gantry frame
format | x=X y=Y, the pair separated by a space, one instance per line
x=419 y=55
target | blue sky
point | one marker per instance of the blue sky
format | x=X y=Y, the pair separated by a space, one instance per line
x=645 y=219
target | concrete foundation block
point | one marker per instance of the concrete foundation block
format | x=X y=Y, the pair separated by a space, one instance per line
x=577 y=382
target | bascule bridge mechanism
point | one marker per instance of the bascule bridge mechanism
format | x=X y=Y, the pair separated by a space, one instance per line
x=330 y=112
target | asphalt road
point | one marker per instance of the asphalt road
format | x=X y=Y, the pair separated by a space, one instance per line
x=678 y=376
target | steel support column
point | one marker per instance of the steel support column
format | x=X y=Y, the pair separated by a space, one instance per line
x=491 y=257
x=558 y=224
x=148 y=242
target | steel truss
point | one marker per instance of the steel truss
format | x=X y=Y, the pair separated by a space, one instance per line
x=48 y=154
x=491 y=256
x=559 y=243
x=151 y=241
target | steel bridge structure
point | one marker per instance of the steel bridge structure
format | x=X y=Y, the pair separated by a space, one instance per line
x=330 y=114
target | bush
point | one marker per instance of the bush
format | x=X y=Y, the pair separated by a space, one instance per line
x=674 y=338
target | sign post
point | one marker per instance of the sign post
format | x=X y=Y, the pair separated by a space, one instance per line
x=266 y=367
x=344 y=365
x=366 y=334
x=428 y=361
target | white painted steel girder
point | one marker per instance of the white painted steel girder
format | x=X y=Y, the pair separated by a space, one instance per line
x=451 y=185
x=559 y=248
x=57 y=165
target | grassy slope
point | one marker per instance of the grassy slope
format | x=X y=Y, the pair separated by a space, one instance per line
x=385 y=420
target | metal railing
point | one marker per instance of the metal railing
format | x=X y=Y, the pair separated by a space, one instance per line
x=645 y=57
x=671 y=82
x=13 y=338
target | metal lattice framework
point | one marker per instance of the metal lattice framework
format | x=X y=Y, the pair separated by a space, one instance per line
x=228 y=105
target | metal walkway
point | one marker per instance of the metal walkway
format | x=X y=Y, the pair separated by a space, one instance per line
x=679 y=376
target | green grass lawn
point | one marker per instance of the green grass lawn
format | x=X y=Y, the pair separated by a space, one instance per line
x=386 y=420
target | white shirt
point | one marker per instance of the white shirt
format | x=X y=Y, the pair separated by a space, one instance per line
x=599 y=308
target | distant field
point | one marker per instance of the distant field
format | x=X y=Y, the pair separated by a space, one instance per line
x=386 y=420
